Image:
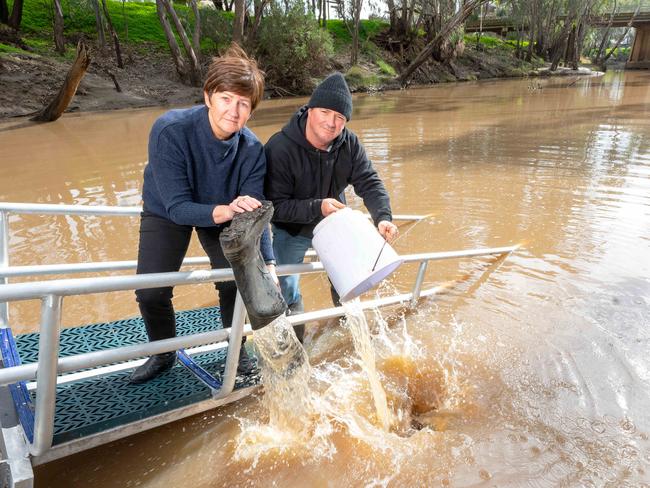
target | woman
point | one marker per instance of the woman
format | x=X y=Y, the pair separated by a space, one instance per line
x=204 y=167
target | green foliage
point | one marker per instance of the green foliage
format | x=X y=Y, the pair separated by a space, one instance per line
x=216 y=29
x=358 y=77
x=488 y=41
x=7 y=49
x=367 y=30
x=386 y=68
x=141 y=19
x=292 y=48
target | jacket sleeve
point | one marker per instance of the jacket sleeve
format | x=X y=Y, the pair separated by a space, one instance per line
x=253 y=185
x=169 y=169
x=368 y=185
x=279 y=186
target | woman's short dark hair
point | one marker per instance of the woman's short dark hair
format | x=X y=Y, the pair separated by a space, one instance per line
x=235 y=72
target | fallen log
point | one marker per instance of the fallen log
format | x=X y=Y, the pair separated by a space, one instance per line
x=61 y=101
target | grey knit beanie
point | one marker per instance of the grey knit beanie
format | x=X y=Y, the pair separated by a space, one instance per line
x=333 y=93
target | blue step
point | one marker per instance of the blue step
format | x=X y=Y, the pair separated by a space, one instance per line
x=92 y=405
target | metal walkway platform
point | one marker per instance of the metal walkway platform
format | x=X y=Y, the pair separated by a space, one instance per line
x=97 y=403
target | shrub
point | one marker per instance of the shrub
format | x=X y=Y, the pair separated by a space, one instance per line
x=292 y=49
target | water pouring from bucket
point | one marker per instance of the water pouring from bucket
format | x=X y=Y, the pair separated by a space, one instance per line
x=353 y=253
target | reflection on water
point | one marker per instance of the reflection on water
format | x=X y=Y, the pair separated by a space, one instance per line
x=528 y=372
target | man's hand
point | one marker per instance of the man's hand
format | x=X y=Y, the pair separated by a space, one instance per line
x=244 y=203
x=388 y=230
x=271 y=269
x=330 y=205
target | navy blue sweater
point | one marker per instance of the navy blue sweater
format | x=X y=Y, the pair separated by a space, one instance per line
x=190 y=171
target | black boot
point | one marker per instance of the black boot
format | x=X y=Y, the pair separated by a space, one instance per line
x=247 y=363
x=154 y=366
x=241 y=246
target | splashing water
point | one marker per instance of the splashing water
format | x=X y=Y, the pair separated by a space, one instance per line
x=285 y=374
x=358 y=326
x=309 y=407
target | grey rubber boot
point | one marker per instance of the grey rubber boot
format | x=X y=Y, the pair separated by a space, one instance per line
x=241 y=246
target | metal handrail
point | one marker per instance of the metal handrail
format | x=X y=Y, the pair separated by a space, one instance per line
x=7 y=271
x=52 y=292
x=86 y=286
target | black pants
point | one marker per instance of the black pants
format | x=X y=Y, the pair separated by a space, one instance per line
x=163 y=245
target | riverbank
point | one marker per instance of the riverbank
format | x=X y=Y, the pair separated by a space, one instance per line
x=30 y=80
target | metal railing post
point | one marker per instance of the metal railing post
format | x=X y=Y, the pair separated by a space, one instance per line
x=4 y=262
x=48 y=355
x=418 y=283
x=234 y=347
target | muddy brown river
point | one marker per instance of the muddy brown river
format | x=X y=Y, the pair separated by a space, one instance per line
x=532 y=371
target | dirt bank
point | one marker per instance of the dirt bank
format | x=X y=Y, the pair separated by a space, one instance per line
x=30 y=81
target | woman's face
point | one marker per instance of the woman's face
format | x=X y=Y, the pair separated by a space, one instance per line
x=228 y=112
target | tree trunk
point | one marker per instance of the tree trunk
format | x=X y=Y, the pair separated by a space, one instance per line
x=391 y=16
x=99 y=24
x=116 y=41
x=238 y=22
x=61 y=101
x=354 y=54
x=196 y=35
x=59 y=41
x=260 y=5
x=4 y=12
x=620 y=39
x=194 y=68
x=16 y=15
x=444 y=33
x=181 y=65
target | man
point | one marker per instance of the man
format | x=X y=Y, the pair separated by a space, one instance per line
x=309 y=165
x=204 y=167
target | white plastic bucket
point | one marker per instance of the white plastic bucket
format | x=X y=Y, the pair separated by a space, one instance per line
x=348 y=245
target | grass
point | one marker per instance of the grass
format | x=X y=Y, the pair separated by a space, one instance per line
x=386 y=68
x=6 y=49
x=141 y=20
x=489 y=42
x=367 y=30
x=357 y=76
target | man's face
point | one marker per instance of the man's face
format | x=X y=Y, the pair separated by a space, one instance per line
x=323 y=126
x=228 y=112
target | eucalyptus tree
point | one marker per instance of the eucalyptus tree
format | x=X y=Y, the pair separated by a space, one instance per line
x=188 y=68
x=350 y=12
x=439 y=45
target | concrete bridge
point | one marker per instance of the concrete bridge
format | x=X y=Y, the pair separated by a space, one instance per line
x=639 y=54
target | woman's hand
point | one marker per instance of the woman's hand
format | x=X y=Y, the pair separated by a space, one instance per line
x=244 y=203
x=224 y=213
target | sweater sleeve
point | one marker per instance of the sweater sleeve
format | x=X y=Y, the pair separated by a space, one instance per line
x=279 y=187
x=253 y=185
x=169 y=169
x=368 y=185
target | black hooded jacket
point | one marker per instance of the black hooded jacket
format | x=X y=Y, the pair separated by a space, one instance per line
x=299 y=176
